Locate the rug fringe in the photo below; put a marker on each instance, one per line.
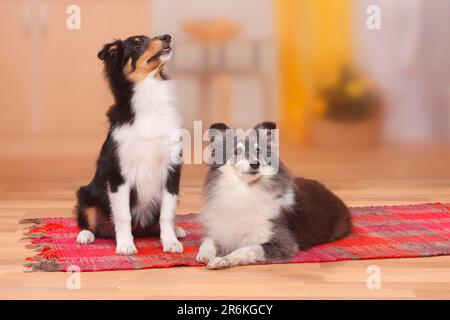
(26, 234)
(31, 236)
(38, 247)
(42, 265)
(38, 263)
(31, 221)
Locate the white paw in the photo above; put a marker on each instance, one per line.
(205, 255)
(85, 236)
(179, 232)
(126, 247)
(219, 263)
(172, 246)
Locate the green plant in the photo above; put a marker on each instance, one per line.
(351, 97)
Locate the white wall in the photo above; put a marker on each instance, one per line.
(410, 60)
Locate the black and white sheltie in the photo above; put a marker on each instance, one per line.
(254, 210)
(135, 188)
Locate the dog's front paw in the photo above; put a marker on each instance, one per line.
(85, 236)
(219, 263)
(172, 246)
(126, 247)
(205, 255)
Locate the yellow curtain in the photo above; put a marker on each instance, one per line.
(314, 43)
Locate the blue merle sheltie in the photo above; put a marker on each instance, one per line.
(135, 188)
(254, 209)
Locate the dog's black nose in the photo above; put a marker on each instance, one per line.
(254, 165)
(165, 38)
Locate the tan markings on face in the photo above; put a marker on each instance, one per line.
(127, 69)
(142, 67)
(159, 73)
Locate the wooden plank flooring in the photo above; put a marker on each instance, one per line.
(40, 179)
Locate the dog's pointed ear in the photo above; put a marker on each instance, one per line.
(219, 126)
(269, 125)
(267, 133)
(109, 51)
(217, 136)
(215, 128)
(265, 128)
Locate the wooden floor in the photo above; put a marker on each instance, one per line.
(39, 179)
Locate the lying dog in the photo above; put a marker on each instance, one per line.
(254, 209)
(135, 188)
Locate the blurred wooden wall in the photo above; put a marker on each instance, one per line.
(51, 82)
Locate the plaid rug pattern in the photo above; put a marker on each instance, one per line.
(402, 231)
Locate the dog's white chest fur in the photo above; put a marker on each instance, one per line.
(145, 146)
(237, 214)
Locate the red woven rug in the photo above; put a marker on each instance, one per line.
(379, 232)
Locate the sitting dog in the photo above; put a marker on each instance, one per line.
(254, 209)
(135, 188)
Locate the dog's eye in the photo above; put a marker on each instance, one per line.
(137, 43)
